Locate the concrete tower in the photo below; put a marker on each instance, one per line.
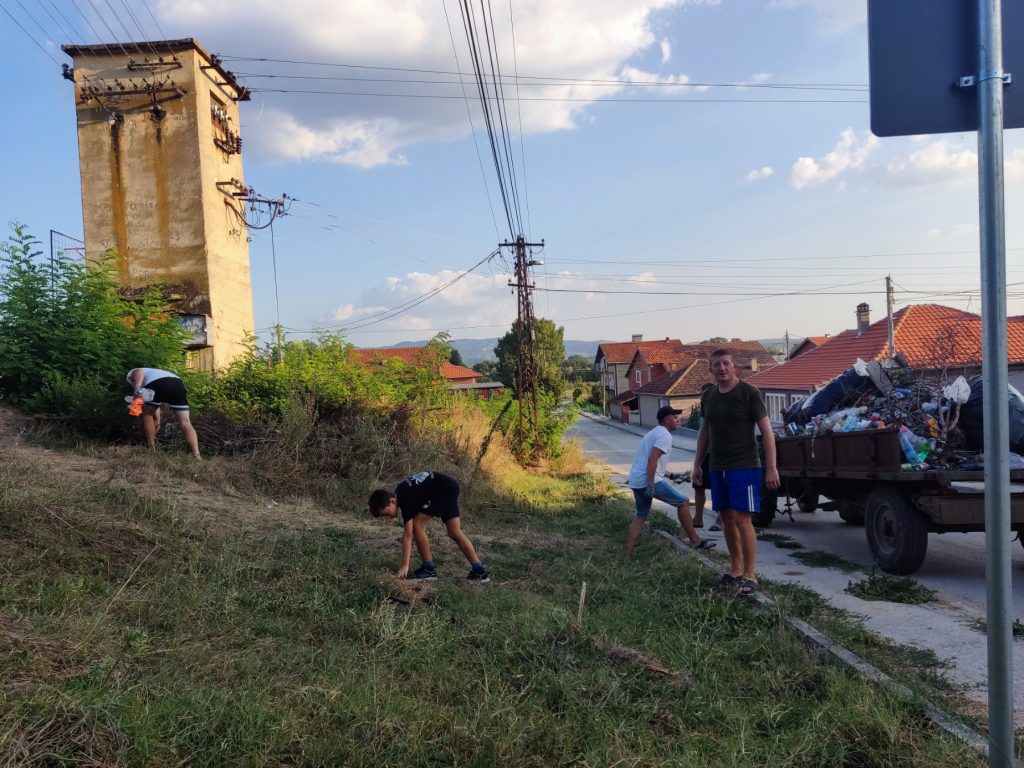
(161, 162)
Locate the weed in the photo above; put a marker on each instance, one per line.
(896, 589)
(981, 625)
(817, 559)
(780, 540)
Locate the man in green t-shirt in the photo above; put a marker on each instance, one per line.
(731, 410)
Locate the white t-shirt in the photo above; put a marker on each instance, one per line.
(659, 437)
(149, 375)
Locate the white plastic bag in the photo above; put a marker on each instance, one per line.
(860, 367)
(959, 391)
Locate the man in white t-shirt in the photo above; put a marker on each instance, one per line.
(167, 389)
(647, 479)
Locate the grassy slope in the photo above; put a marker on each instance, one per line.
(151, 614)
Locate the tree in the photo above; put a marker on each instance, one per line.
(455, 358)
(488, 369)
(549, 352)
(715, 340)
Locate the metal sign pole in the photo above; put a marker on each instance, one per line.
(994, 371)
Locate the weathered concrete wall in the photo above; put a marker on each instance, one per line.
(149, 188)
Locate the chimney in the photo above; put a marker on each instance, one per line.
(863, 318)
(637, 338)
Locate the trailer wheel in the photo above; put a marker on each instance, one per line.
(808, 501)
(769, 507)
(897, 533)
(851, 514)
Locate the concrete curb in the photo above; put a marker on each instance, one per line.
(816, 638)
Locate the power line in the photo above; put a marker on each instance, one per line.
(469, 114)
(29, 34)
(595, 99)
(566, 80)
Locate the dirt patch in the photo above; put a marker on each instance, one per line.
(623, 654)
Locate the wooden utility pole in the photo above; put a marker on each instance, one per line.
(526, 368)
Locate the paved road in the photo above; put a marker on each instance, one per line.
(954, 567)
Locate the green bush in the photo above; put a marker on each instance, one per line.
(68, 337)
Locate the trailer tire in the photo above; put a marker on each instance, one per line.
(769, 507)
(851, 514)
(808, 501)
(897, 533)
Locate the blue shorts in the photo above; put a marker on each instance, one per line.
(737, 489)
(663, 491)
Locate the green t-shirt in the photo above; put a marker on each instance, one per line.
(731, 418)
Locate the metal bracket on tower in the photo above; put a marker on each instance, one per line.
(969, 81)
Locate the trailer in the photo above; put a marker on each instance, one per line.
(862, 477)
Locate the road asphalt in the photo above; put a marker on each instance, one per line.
(954, 567)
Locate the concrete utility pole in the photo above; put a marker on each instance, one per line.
(526, 368)
(888, 314)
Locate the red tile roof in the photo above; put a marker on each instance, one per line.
(742, 351)
(413, 356)
(922, 331)
(621, 352)
(808, 344)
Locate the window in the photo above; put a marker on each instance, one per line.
(639, 377)
(775, 404)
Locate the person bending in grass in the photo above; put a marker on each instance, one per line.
(421, 497)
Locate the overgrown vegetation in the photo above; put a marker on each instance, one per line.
(190, 622)
(67, 337)
(879, 585)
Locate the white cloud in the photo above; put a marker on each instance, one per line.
(761, 77)
(849, 154)
(594, 40)
(1013, 165)
(933, 162)
(639, 76)
(666, 51)
(833, 16)
(759, 173)
(957, 230)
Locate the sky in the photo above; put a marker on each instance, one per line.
(681, 184)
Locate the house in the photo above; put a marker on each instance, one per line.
(931, 337)
(811, 342)
(460, 378)
(613, 359)
(675, 377)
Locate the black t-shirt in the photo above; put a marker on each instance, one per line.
(428, 493)
(731, 418)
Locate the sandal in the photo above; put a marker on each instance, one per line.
(716, 528)
(705, 544)
(726, 581)
(748, 587)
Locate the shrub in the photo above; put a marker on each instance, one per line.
(67, 337)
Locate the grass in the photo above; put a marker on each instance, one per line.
(817, 559)
(149, 618)
(981, 625)
(780, 540)
(896, 589)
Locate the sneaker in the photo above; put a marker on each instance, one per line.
(425, 574)
(480, 577)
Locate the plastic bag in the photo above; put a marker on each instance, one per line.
(828, 397)
(972, 418)
(959, 391)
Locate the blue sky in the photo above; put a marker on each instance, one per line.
(712, 213)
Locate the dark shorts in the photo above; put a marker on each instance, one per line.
(737, 489)
(705, 467)
(170, 390)
(444, 506)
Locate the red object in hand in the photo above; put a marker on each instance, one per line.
(135, 409)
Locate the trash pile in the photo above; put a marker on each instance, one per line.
(940, 426)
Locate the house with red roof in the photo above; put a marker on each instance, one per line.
(930, 337)
(811, 342)
(613, 359)
(676, 377)
(460, 378)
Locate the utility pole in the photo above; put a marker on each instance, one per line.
(526, 367)
(888, 312)
(787, 345)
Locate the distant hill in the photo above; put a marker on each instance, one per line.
(474, 351)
